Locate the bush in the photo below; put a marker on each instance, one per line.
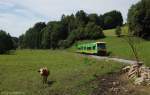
(118, 31)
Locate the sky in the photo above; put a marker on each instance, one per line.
(17, 16)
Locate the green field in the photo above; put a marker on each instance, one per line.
(70, 73)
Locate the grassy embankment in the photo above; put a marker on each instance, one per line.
(119, 47)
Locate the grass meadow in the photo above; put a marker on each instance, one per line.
(70, 73)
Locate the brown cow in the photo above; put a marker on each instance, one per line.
(44, 72)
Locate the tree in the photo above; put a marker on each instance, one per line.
(6, 43)
(90, 31)
(112, 19)
(139, 19)
(33, 36)
(108, 21)
(69, 22)
(101, 21)
(15, 42)
(57, 33)
(21, 41)
(46, 38)
(133, 42)
(93, 18)
(81, 18)
(118, 31)
(93, 31)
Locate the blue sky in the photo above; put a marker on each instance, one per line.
(16, 16)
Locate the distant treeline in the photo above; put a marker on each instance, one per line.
(63, 33)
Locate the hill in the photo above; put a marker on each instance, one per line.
(118, 46)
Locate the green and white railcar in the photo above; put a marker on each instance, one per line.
(98, 48)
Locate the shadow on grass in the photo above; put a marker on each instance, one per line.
(109, 53)
(50, 82)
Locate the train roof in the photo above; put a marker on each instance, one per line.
(101, 42)
(92, 43)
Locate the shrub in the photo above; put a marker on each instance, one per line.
(118, 31)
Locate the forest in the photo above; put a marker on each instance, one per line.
(71, 28)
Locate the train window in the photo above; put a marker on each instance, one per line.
(82, 48)
(94, 47)
(102, 46)
(89, 48)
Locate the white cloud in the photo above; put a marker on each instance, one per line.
(14, 25)
(16, 16)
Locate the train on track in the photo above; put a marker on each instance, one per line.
(97, 48)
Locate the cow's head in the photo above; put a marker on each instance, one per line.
(44, 71)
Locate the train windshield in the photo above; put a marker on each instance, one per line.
(101, 45)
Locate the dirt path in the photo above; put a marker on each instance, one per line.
(118, 84)
(113, 59)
